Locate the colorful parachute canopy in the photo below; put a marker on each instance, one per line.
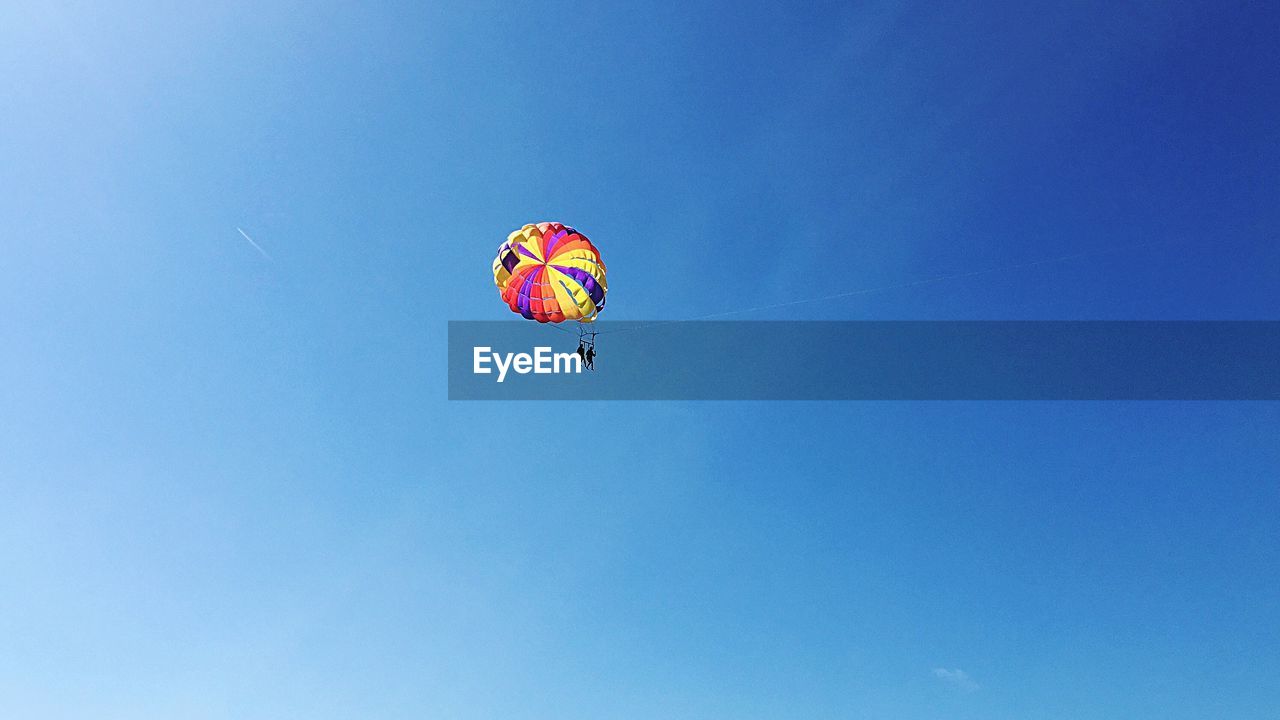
(550, 273)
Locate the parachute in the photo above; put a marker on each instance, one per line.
(551, 273)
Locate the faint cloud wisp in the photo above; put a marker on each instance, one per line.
(957, 678)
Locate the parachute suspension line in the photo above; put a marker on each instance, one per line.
(899, 286)
(554, 327)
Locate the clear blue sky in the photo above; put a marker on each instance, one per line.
(231, 487)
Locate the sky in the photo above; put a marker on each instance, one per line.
(231, 484)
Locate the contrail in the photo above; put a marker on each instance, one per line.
(908, 284)
(254, 244)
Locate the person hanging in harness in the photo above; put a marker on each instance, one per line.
(587, 347)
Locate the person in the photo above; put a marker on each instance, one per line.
(582, 353)
(591, 358)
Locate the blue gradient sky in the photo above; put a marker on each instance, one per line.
(233, 488)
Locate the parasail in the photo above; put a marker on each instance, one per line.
(550, 272)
